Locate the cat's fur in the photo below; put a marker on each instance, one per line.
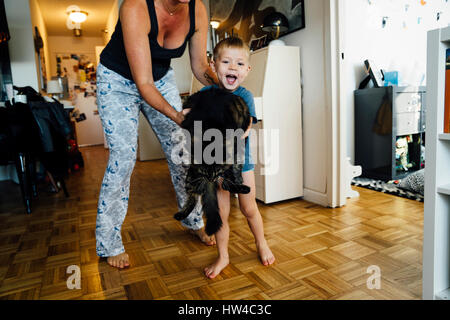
(221, 110)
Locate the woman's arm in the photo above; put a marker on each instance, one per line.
(197, 47)
(136, 27)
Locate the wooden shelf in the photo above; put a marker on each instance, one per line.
(444, 189)
(444, 136)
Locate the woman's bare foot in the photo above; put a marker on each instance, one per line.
(201, 234)
(213, 270)
(120, 261)
(265, 254)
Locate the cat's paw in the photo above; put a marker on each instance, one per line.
(243, 189)
(180, 216)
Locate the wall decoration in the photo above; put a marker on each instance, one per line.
(80, 73)
(39, 47)
(245, 17)
(408, 14)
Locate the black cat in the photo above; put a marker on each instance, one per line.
(220, 110)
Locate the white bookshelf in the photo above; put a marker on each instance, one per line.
(444, 189)
(444, 136)
(436, 242)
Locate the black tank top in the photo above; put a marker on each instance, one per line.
(114, 56)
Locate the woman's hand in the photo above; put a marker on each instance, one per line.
(179, 118)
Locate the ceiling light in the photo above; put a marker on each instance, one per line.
(215, 24)
(78, 16)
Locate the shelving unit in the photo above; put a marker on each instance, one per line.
(436, 252)
(375, 152)
(444, 136)
(444, 189)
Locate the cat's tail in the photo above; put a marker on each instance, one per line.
(211, 209)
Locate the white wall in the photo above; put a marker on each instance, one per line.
(71, 45)
(38, 21)
(22, 54)
(112, 20)
(395, 47)
(182, 65)
(312, 55)
(21, 45)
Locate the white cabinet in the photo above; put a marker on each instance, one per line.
(277, 139)
(436, 251)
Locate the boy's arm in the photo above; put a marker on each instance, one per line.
(249, 100)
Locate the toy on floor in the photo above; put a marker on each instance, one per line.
(401, 153)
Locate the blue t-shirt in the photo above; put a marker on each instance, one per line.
(247, 96)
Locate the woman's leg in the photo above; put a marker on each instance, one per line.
(249, 207)
(166, 131)
(119, 109)
(222, 236)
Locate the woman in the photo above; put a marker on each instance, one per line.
(134, 75)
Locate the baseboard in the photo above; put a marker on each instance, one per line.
(90, 145)
(316, 197)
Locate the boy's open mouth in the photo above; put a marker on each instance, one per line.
(231, 79)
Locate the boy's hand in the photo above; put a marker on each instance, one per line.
(247, 133)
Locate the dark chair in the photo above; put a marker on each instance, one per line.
(54, 132)
(38, 130)
(19, 143)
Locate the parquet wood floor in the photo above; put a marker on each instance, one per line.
(321, 253)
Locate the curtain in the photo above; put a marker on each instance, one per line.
(4, 31)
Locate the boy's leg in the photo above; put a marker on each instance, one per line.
(222, 236)
(119, 110)
(248, 206)
(165, 130)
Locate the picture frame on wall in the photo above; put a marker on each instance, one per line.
(259, 43)
(245, 17)
(39, 47)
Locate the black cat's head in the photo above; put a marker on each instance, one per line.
(216, 109)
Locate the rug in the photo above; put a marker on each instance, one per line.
(386, 187)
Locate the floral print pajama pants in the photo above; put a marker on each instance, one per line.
(119, 104)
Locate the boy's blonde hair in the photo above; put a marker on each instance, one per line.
(232, 42)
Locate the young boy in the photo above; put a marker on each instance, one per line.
(231, 64)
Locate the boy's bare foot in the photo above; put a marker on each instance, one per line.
(201, 234)
(120, 261)
(213, 270)
(265, 254)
